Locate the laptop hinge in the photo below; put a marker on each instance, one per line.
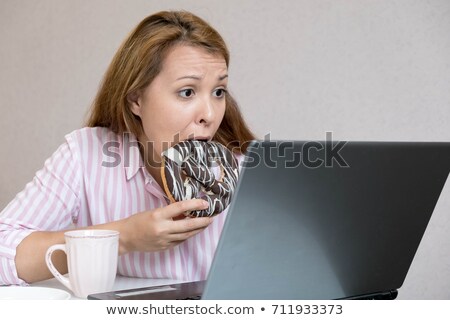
(388, 295)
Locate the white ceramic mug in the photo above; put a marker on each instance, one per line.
(91, 259)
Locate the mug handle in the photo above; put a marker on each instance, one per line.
(48, 259)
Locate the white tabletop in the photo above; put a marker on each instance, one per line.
(121, 283)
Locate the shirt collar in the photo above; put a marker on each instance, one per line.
(132, 160)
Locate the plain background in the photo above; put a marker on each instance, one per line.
(364, 70)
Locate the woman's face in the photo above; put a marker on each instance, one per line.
(186, 100)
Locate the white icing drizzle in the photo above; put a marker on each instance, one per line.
(194, 160)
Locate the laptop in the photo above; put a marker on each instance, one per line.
(320, 220)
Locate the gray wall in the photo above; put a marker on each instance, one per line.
(365, 70)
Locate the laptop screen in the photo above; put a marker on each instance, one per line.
(310, 222)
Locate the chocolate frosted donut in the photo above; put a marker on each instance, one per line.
(187, 173)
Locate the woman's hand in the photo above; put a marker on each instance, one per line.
(157, 229)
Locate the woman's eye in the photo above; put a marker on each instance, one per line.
(186, 93)
(219, 93)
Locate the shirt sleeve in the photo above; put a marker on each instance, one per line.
(49, 202)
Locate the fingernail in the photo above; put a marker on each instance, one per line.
(205, 203)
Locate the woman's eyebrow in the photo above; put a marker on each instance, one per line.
(195, 77)
(190, 77)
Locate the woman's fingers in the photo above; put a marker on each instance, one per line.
(190, 225)
(180, 230)
(175, 209)
(184, 235)
(174, 239)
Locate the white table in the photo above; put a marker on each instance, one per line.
(121, 283)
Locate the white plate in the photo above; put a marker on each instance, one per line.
(32, 293)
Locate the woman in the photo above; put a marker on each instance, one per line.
(166, 83)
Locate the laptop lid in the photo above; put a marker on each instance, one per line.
(323, 220)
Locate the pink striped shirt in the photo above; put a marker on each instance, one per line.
(84, 183)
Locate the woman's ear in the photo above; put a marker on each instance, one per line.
(134, 99)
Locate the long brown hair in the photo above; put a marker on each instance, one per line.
(139, 60)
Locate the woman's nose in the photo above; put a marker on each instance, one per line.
(206, 112)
